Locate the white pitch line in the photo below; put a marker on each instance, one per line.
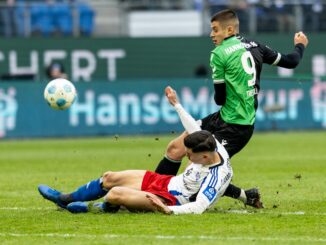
(264, 212)
(275, 213)
(164, 237)
(232, 211)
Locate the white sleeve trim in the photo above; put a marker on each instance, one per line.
(187, 120)
(277, 59)
(218, 81)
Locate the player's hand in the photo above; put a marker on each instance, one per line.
(158, 204)
(171, 95)
(300, 37)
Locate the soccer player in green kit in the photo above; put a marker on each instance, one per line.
(236, 64)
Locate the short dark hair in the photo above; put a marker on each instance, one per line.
(200, 141)
(226, 17)
(55, 65)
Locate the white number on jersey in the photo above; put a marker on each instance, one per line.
(249, 67)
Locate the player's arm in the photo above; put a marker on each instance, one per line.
(218, 79)
(220, 93)
(290, 60)
(187, 120)
(293, 59)
(207, 195)
(197, 207)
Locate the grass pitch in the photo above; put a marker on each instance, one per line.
(289, 169)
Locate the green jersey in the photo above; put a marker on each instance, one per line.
(234, 65)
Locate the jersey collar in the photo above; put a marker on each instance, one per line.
(236, 35)
(217, 164)
(229, 37)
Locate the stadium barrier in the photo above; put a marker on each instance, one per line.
(139, 107)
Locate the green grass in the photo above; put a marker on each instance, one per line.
(289, 169)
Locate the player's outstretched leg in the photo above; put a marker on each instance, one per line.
(98, 207)
(91, 191)
(249, 197)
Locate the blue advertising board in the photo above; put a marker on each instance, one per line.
(139, 107)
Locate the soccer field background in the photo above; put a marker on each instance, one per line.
(288, 167)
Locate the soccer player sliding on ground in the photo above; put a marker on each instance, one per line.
(195, 190)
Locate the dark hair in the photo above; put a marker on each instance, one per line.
(226, 17)
(55, 65)
(200, 141)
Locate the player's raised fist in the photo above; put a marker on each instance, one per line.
(300, 37)
(171, 95)
(168, 90)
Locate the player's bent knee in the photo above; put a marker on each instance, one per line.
(115, 195)
(175, 151)
(108, 179)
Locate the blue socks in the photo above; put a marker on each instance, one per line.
(91, 191)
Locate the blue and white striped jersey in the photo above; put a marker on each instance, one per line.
(200, 186)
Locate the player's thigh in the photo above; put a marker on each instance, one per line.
(233, 137)
(128, 178)
(134, 200)
(211, 122)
